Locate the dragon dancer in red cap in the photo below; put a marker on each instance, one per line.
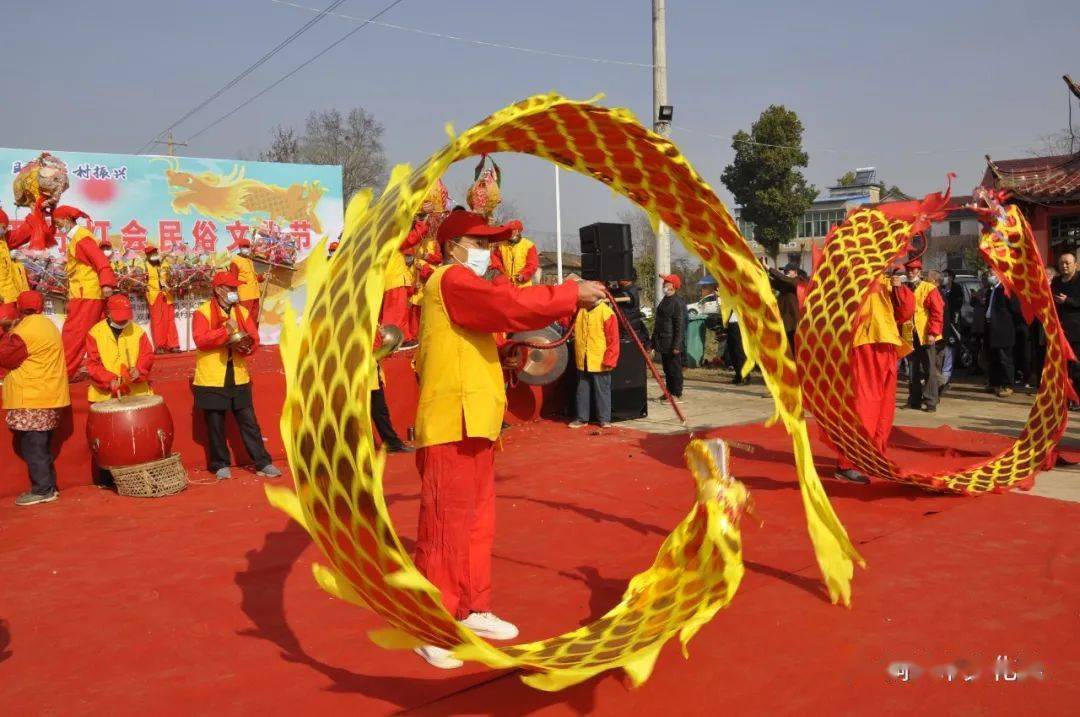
(160, 301)
(460, 412)
(923, 331)
(91, 280)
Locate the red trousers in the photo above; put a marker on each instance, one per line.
(252, 306)
(395, 310)
(163, 324)
(82, 314)
(873, 374)
(457, 522)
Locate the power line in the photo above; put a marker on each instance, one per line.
(481, 43)
(296, 69)
(251, 68)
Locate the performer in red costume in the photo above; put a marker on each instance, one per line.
(9, 291)
(873, 363)
(398, 286)
(35, 230)
(90, 281)
(460, 411)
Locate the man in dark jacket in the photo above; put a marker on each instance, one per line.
(1002, 316)
(785, 283)
(953, 296)
(669, 334)
(627, 297)
(1065, 289)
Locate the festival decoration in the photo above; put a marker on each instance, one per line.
(130, 277)
(329, 367)
(485, 195)
(47, 275)
(855, 255)
(40, 181)
(273, 246)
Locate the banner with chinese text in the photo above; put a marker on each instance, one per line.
(194, 206)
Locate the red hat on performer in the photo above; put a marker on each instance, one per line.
(672, 279)
(4, 221)
(30, 302)
(516, 225)
(333, 246)
(150, 249)
(469, 224)
(105, 243)
(70, 213)
(225, 278)
(913, 264)
(243, 243)
(118, 308)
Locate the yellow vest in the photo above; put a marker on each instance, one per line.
(461, 378)
(922, 316)
(210, 365)
(156, 277)
(83, 282)
(397, 273)
(590, 342)
(249, 279)
(876, 322)
(514, 257)
(41, 380)
(19, 278)
(117, 353)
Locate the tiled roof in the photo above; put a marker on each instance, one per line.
(1040, 179)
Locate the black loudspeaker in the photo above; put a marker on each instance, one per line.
(629, 389)
(607, 254)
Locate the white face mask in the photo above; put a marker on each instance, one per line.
(478, 260)
(118, 327)
(107, 253)
(16, 255)
(232, 297)
(244, 252)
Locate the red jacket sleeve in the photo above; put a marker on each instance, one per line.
(415, 235)
(903, 303)
(146, 357)
(13, 351)
(250, 328)
(532, 263)
(496, 261)
(611, 337)
(95, 368)
(935, 307)
(479, 305)
(90, 253)
(206, 337)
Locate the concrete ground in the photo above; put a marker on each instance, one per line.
(711, 400)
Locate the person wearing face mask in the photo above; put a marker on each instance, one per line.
(9, 292)
(35, 391)
(952, 296)
(243, 269)
(516, 259)
(160, 302)
(91, 280)
(119, 355)
(225, 334)
(1002, 315)
(460, 412)
(114, 259)
(669, 334)
(923, 331)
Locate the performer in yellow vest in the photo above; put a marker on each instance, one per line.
(159, 299)
(9, 294)
(90, 281)
(516, 259)
(35, 391)
(118, 354)
(923, 331)
(596, 351)
(243, 269)
(460, 412)
(876, 351)
(225, 335)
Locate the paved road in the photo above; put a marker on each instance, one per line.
(712, 400)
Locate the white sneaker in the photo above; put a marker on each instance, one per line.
(486, 624)
(438, 657)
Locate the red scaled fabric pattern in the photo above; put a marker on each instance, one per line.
(873, 373)
(457, 522)
(82, 314)
(163, 324)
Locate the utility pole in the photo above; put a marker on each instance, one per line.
(171, 144)
(659, 58)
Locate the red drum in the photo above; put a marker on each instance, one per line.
(129, 431)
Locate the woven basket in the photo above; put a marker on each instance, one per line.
(151, 480)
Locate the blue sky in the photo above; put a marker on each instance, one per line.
(915, 88)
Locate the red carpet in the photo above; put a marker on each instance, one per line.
(205, 600)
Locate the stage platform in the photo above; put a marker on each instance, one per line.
(205, 601)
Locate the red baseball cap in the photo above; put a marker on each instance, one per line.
(149, 249)
(225, 278)
(469, 224)
(65, 211)
(913, 264)
(118, 308)
(243, 243)
(333, 246)
(30, 302)
(672, 279)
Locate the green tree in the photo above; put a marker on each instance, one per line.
(847, 180)
(765, 177)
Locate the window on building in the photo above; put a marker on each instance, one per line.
(954, 228)
(808, 229)
(1065, 230)
(822, 227)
